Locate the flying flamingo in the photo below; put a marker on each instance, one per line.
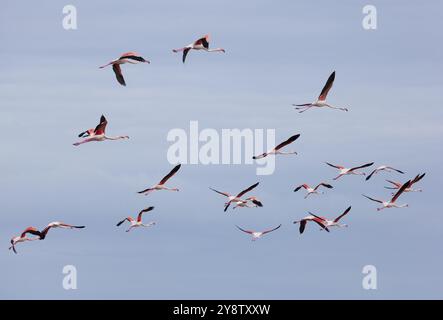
(128, 57)
(321, 101)
(312, 190)
(392, 203)
(200, 44)
(345, 171)
(397, 185)
(23, 237)
(235, 199)
(251, 202)
(258, 234)
(160, 185)
(97, 134)
(57, 224)
(276, 150)
(312, 218)
(383, 168)
(137, 223)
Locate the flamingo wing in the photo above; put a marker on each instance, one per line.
(334, 166)
(417, 178)
(121, 222)
(247, 190)
(379, 201)
(185, 53)
(401, 190)
(326, 185)
(118, 74)
(371, 174)
(246, 231)
(327, 87)
(139, 217)
(101, 127)
(362, 166)
(222, 193)
(343, 214)
(270, 230)
(170, 174)
(284, 143)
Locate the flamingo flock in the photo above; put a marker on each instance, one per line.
(98, 134)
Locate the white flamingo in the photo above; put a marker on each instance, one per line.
(332, 223)
(383, 168)
(128, 57)
(161, 184)
(321, 100)
(276, 150)
(345, 171)
(392, 203)
(235, 199)
(200, 44)
(97, 134)
(313, 190)
(137, 223)
(250, 202)
(258, 234)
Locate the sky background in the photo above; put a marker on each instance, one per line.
(277, 53)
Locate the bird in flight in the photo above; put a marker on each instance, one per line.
(383, 168)
(23, 237)
(137, 223)
(392, 203)
(97, 134)
(276, 150)
(250, 202)
(313, 190)
(345, 171)
(237, 199)
(321, 100)
(161, 184)
(323, 222)
(128, 57)
(200, 44)
(258, 234)
(397, 185)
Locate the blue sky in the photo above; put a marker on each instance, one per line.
(277, 53)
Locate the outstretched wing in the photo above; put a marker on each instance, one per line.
(334, 166)
(327, 87)
(118, 74)
(343, 214)
(371, 174)
(170, 174)
(101, 127)
(185, 53)
(326, 185)
(247, 231)
(222, 193)
(362, 166)
(203, 41)
(273, 229)
(121, 222)
(285, 143)
(247, 190)
(417, 178)
(379, 201)
(139, 217)
(400, 191)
